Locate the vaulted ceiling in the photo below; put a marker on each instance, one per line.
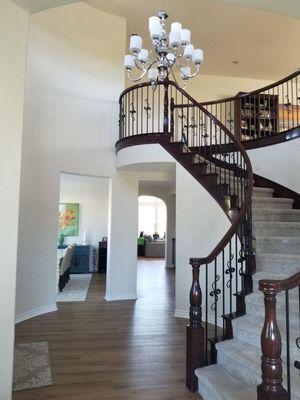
(263, 36)
(265, 44)
(33, 6)
(287, 7)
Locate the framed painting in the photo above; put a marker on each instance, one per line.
(68, 220)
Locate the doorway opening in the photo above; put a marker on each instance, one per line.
(82, 234)
(152, 227)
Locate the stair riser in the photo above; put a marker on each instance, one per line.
(261, 215)
(273, 231)
(267, 205)
(254, 309)
(253, 337)
(260, 193)
(283, 246)
(280, 267)
(237, 369)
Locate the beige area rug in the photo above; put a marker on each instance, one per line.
(31, 366)
(76, 289)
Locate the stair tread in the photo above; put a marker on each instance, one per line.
(277, 223)
(214, 379)
(273, 199)
(284, 238)
(278, 256)
(253, 324)
(248, 358)
(262, 189)
(280, 210)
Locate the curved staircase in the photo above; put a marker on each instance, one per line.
(231, 325)
(238, 369)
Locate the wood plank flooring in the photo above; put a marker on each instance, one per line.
(119, 350)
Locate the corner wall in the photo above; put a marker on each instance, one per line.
(74, 78)
(13, 46)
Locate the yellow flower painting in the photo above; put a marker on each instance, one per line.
(68, 220)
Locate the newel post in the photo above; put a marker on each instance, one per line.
(195, 331)
(271, 363)
(166, 106)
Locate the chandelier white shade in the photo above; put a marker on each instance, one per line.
(170, 50)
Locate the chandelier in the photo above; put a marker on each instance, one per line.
(170, 51)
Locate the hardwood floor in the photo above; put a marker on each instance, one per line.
(131, 350)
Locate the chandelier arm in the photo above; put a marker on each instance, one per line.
(142, 75)
(174, 77)
(179, 66)
(137, 65)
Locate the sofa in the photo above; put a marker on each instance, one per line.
(155, 248)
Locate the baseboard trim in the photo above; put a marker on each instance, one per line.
(120, 296)
(185, 314)
(34, 313)
(181, 314)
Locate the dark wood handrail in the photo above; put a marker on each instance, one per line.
(248, 196)
(252, 93)
(280, 285)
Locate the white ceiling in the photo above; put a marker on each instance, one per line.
(265, 43)
(33, 6)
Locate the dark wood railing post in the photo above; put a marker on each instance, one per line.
(172, 116)
(166, 106)
(195, 331)
(271, 363)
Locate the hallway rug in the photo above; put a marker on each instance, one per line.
(76, 289)
(31, 366)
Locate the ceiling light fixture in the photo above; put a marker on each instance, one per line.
(170, 50)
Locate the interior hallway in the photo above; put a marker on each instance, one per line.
(131, 350)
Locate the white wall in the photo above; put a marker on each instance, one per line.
(280, 163)
(92, 195)
(74, 78)
(200, 221)
(13, 43)
(121, 282)
(211, 87)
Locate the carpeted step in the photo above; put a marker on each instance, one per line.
(276, 228)
(272, 202)
(282, 263)
(278, 244)
(280, 215)
(248, 328)
(243, 361)
(255, 305)
(262, 192)
(216, 383)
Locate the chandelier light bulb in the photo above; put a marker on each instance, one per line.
(129, 62)
(174, 39)
(176, 27)
(156, 32)
(171, 58)
(152, 75)
(153, 21)
(188, 51)
(143, 55)
(135, 44)
(198, 56)
(185, 36)
(171, 50)
(185, 72)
